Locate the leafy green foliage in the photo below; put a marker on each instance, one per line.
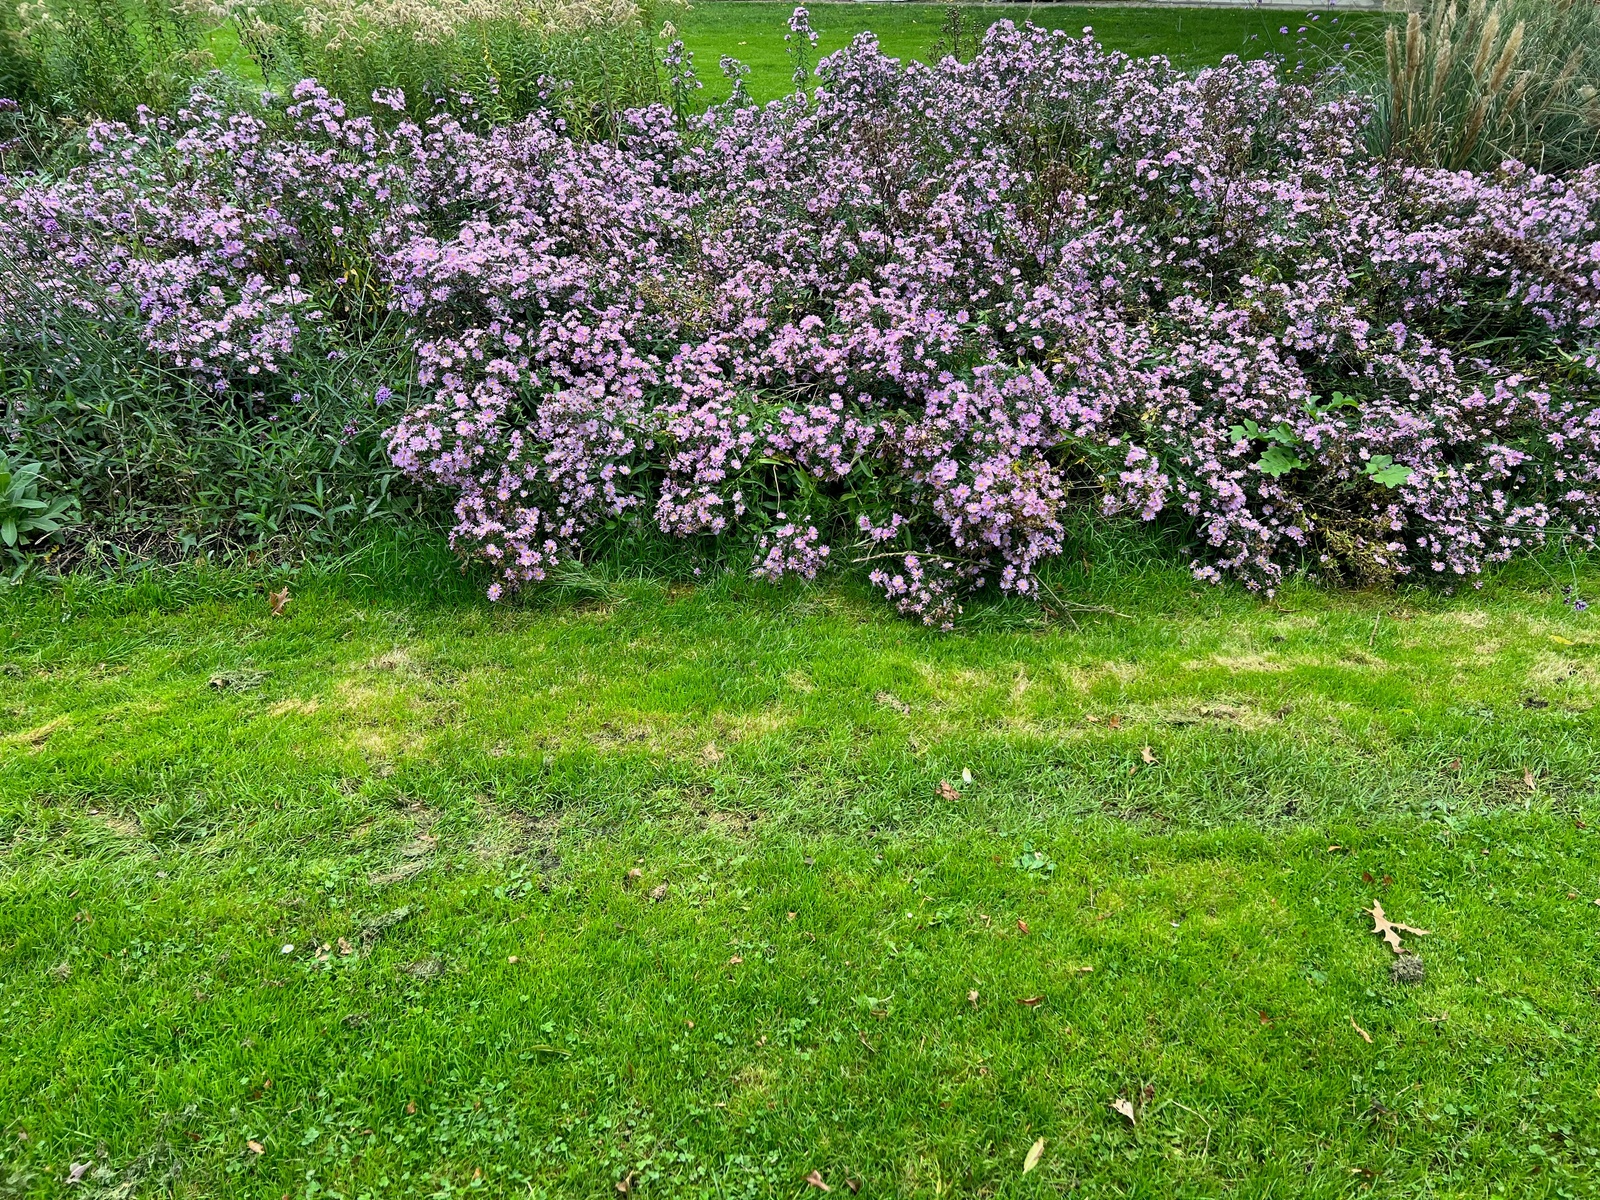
(162, 466)
(105, 57)
(26, 517)
(1279, 460)
(1384, 470)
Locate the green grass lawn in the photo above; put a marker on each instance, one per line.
(753, 32)
(687, 889)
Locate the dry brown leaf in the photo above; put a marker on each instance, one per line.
(815, 1180)
(1391, 930)
(947, 792)
(1365, 1036)
(1022, 925)
(735, 961)
(411, 1108)
(972, 997)
(1124, 1109)
(632, 877)
(658, 893)
(1114, 723)
(1147, 755)
(854, 1185)
(278, 601)
(1528, 780)
(625, 1184)
(345, 948)
(1031, 1001)
(256, 1148)
(1035, 1153)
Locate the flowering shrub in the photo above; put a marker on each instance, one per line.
(926, 307)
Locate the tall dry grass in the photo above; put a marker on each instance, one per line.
(1471, 85)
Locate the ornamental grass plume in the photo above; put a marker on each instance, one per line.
(1469, 87)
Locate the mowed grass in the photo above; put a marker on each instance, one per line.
(343, 902)
(753, 32)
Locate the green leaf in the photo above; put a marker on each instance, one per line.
(8, 531)
(1249, 431)
(1382, 469)
(1282, 434)
(1279, 461)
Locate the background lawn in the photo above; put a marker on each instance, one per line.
(342, 902)
(753, 33)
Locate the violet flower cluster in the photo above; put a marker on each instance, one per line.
(929, 307)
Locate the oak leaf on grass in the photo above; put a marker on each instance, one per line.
(1389, 930)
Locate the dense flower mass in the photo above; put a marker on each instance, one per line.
(926, 307)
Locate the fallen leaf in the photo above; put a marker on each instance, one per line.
(946, 792)
(972, 996)
(278, 601)
(854, 1185)
(735, 961)
(512, 958)
(1365, 1036)
(792, 916)
(1528, 780)
(1035, 1153)
(1082, 970)
(1390, 930)
(411, 1108)
(1265, 1020)
(658, 893)
(1334, 849)
(1114, 723)
(966, 775)
(256, 1148)
(1124, 1109)
(1022, 925)
(1031, 1001)
(1147, 755)
(815, 1180)
(76, 1170)
(632, 877)
(1366, 877)
(345, 947)
(625, 1184)
(1561, 641)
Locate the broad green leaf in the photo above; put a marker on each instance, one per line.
(1279, 461)
(1282, 434)
(1384, 470)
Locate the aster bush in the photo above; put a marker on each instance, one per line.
(909, 321)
